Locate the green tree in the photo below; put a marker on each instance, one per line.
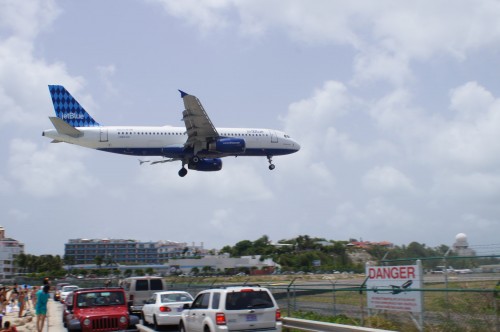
(98, 260)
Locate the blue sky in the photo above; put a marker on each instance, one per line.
(396, 107)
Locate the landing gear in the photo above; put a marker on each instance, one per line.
(183, 172)
(195, 159)
(271, 165)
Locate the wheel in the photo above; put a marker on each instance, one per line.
(182, 328)
(271, 167)
(195, 159)
(183, 172)
(155, 324)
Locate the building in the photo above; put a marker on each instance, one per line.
(461, 246)
(9, 249)
(222, 263)
(120, 251)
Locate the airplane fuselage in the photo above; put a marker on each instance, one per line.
(167, 141)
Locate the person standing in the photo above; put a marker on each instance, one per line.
(42, 297)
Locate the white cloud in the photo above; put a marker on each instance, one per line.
(18, 215)
(27, 18)
(5, 186)
(106, 74)
(470, 138)
(238, 180)
(50, 171)
(387, 35)
(210, 14)
(386, 179)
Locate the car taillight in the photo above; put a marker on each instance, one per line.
(220, 318)
(278, 315)
(165, 309)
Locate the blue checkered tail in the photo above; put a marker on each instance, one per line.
(68, 109)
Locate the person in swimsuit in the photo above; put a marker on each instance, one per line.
(42, 297)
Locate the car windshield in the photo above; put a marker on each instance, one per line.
(100, 299)
(248, 299)
(175, 297)
(69, 288)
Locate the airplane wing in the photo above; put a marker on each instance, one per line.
(199, 128)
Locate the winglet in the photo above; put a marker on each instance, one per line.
(183, 93)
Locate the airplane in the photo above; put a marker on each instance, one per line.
(199, 144)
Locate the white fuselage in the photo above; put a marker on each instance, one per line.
(169, 141)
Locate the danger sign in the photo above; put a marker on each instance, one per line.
(392, 287)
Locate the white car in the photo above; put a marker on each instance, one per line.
(66, 290)
(165, 308)
(234, 308)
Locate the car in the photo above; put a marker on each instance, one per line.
(98, 309)
(236, 308)
(57, 292)
(65, 291)
(164, 308)
(140, 289)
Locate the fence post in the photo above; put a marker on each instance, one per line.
(288, 296)
(334, 300)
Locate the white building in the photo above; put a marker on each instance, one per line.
(9, 249)
(223, 262)
(461, 246)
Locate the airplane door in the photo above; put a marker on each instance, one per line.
(104, 135)
(274, 137)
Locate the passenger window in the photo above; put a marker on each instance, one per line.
(201, 302)
(156, 284)
(141, 285)
(216, 301)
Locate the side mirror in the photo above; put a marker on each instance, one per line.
(186, 306)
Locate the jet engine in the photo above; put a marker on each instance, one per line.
(206, 165)
(227, 145)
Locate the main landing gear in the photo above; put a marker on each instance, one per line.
(271, 165)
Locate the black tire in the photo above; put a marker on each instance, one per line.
(155, 324)
(183, 172)
(271, 167)
(182, 328)
(206, 329)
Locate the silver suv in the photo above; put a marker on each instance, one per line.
(235, 308)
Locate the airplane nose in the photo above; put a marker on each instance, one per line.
(296, 146)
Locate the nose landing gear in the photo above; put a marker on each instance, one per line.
(183, 172)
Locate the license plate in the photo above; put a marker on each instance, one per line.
(251, 317)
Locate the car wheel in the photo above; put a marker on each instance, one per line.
(206, 329)
(182, 328)
(155, 324)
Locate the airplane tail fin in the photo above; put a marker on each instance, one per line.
(68, 109)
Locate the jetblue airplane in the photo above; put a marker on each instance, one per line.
(199, 145)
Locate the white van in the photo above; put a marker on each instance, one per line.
(140, 289)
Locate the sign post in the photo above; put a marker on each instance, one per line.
(390, 288)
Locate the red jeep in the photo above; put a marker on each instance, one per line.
(97, 309)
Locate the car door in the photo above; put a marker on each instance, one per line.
(197, 313)
(148, 308)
